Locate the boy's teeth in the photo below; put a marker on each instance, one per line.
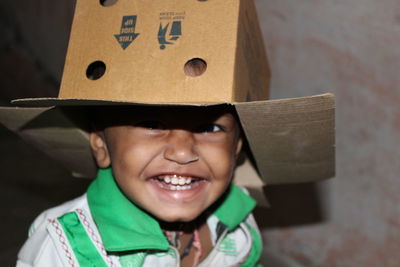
(178, 187)
(176, 180)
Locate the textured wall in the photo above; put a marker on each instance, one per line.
(348, 47)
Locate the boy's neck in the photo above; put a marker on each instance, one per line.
(181, 235)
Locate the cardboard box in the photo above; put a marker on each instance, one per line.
(145, 46)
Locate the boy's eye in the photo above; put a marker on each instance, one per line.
(152, 125)
(209, 128)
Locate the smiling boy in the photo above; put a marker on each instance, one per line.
(172, 162)
(163, 195)
(167, 124)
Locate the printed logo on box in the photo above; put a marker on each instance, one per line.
(127, 32)
(170, 29)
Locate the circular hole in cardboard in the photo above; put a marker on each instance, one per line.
(195, 67)
(108, 2)
(95, 70)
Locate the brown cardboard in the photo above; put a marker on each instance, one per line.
(292, 140)
(225, 34)
(252, 73)
(49, 130)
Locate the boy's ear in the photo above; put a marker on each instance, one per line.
(99, 149)
(239, 146)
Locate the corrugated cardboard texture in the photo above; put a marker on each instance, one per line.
(252, 75)
(150, 68)
(292, 140)
(49, 130)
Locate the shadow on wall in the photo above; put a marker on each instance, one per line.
(291, 205)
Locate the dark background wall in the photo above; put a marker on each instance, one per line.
(349, 48)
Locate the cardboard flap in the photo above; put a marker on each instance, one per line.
(292, 140)
(14, 118)
(50, 130)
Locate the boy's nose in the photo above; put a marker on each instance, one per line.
(181, 147)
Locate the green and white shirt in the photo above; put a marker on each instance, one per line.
(104, 228)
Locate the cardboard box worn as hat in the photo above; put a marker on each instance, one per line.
(180, 53)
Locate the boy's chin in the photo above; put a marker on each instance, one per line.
(177, 218)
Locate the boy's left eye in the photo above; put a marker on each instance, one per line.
(209, 128)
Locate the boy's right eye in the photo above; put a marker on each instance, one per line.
(152, 125)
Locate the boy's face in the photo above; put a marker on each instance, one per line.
(173, 162)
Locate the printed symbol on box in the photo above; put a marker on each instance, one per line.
(127, 32)
(170, 31)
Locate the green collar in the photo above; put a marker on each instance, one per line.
(124, 227)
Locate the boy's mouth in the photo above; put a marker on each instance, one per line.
(176, 182)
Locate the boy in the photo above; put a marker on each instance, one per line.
(167, 141)
(165, 175)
